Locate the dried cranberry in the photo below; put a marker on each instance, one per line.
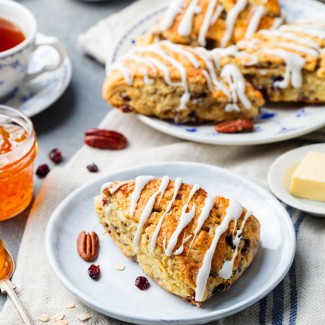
(94, 271)
(42, 170)
(104, 201)
(142, 283)
(56, 155)
(92, 168)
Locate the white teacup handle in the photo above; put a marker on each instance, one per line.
(42, 40)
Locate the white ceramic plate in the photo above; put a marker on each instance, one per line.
(275, 123)
(33, 97)
(115, 293)
(279, 179)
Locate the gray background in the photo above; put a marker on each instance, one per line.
(62, 125)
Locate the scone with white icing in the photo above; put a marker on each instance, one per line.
(191, 244)
(286, 64)
(181, 84)
(214, 23)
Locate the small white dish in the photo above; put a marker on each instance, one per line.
(276, 122)
(34, 96)
(279, 179)
(115, 294)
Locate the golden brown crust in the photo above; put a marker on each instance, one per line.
(162, 100)
(270, 68)
(217, 29)
(177, 273)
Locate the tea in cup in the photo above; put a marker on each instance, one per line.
(19, 39)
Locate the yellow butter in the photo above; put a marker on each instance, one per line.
(308, 180)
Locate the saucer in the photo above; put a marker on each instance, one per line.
(279, 179)
(34, 96)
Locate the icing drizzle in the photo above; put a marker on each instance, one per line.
(140, 183)
(177, 185)
(233, 212)
(148, 209)
(231, 20)
(226, 269)
(184, 220)
(161, 57)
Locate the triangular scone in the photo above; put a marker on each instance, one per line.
(214, 23)
(190, 243)
(181, 84)
(286, 64)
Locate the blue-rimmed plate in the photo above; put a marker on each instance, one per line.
(275, 123)
(34, 96)
(115, 294)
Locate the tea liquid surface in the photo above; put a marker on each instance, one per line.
(10, 35)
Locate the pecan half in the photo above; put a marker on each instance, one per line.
(88, 246)
(235, 126)
(105, 139)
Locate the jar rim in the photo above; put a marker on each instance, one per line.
(13, 115)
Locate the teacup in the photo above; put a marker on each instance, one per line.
(14, 61)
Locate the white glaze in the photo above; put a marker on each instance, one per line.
(180, 250)
(148, 209)
(177, 185)
(278, 22)
(116, 187)
(294, 65)
(226, 269)
(206, 22)
(233, 212)
(175, 7)
(141, 60)
(181, 50)
(237, 87)
(128, 76)
(157, 50)
(227, 51)
(231, 20)
(291, 36)
(209, 62)
(217, 13)
(208, 205)
(184, 220)
(105, 186)
(186, 24)
(255, 20)
(140, 183)
(296, 47)
(305, 29)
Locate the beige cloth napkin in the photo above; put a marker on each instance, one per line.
(300, 296)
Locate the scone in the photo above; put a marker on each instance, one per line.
(214, 23)
(181, 84)
(287, 64)
(190, 243)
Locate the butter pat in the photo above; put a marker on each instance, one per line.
(308, 180)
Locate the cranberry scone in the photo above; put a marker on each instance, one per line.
(193, 245)
(286, 64)
(214, 23)
(181, 84)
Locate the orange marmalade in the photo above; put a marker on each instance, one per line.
(18, 149)
(5, 262)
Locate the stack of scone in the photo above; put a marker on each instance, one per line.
(214, 61)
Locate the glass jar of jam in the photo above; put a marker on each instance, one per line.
(18, 149)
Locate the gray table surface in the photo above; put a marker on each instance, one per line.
(81, 106)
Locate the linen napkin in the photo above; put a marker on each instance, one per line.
(298, 299)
